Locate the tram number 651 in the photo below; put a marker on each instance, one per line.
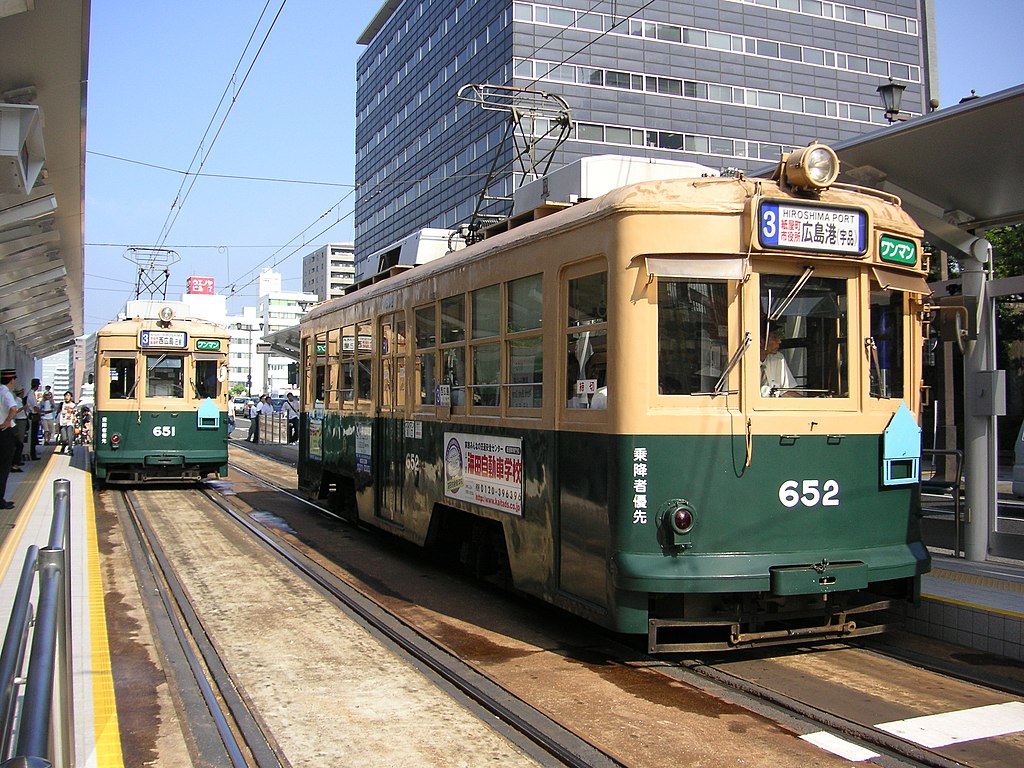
(810, 493)
(163, 431)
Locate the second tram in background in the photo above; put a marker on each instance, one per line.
(684, 408)
(161, 397)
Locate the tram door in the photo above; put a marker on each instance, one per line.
(390, 437)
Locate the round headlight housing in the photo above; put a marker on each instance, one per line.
(812, 168)
(680, 518)
(166, 314)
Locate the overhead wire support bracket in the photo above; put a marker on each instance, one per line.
(533, 116)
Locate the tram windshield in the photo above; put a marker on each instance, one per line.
(205, 382)
(165, 376)
(803, 336)
(123, 380)
(693, 332)
(885, 347)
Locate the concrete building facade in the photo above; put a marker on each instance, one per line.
(328, 270)
(726, 83)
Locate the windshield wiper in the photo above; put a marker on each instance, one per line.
(784, 304)
(723, 380)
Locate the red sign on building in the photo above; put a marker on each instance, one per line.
(200, 285)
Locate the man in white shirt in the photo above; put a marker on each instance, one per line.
(291, 410)
(776, 378)
(9, 406)
(32, 408)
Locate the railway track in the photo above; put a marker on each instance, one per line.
(232, 710)
(848, 692)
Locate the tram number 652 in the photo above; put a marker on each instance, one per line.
(163, 431)
(810, 493)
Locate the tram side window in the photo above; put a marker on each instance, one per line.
(485, 304)
(886, 354)
(587, 350)
(426, 358)
(453, 349)
(165, 376)
(347, 370)
(810, 318)
(364, 353)
(693, 335)
(525, 344)
(123, 379)
(206, 379)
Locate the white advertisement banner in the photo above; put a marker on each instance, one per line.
(485, 470)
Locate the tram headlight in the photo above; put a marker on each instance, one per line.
(166, 314)
(811, 169)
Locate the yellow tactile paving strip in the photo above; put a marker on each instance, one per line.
(104, 704)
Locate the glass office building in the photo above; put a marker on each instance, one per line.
(726, 83)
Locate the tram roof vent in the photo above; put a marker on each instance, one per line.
(591, 177)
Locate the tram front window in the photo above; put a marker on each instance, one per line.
(165, 376)
(693, 331)
(886, 351)
(206, 379)
(805, 320)
(123, 382)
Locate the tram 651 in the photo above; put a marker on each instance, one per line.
(685, 408)
(161, 398)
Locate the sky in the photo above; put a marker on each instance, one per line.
(259, 99)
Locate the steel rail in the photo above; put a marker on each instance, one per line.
(557, 741)
(865, 735)
(188, 629)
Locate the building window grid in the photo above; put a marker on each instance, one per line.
(741, 44)
(591, 77)
(890, 22)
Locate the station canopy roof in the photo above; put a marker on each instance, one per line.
(959, 170)
(43, 76)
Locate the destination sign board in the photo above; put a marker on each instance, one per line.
(808, 227)
(163, 339)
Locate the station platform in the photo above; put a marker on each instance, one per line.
(975, 605)
(97, 740)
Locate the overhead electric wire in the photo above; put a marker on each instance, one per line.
(179, 200)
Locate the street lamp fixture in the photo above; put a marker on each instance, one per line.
(892, 95)
(250, 327)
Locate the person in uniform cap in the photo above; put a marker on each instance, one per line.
(8, 440)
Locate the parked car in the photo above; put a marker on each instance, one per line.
(278, 403)
(241, 405)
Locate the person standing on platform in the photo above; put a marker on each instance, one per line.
(32, 406)
(291, 410)
(20, 429)
(8, 441)
(66, 418)
(266, 415)
(254, 422)
(46, 409)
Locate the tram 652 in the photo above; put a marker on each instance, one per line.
(161, 398)
(685, 409)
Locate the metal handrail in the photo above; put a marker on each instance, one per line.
(44, 685)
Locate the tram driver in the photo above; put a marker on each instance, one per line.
(777, 379)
